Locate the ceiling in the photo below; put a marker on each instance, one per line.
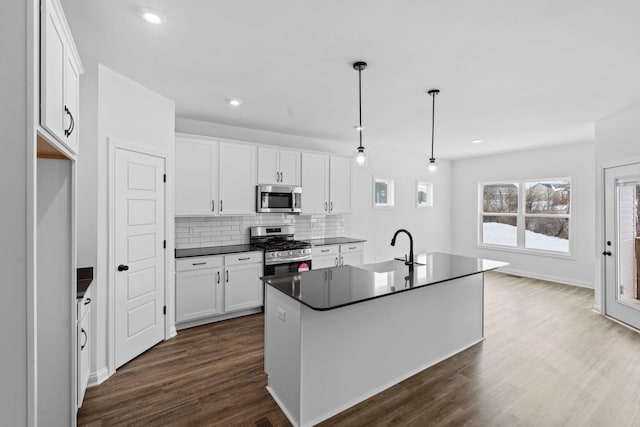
(516, 74)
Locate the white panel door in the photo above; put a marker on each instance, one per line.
(290, 167)
(340, 185)
(242, 288)
(268, 172)
(198, 294)
(52, 73)
(196, 180)
(622, 232)
(139, 267)
(315, 183)
(237, 177)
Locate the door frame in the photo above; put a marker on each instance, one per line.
(601, 306)
(169, 325)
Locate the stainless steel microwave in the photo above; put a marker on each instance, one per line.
(278, 198)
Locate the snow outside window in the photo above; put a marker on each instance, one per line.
(530, 214)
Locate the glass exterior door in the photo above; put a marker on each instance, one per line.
(622, 244)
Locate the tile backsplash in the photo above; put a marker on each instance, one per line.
(196, 232)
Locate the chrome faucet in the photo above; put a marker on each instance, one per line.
(393, 243)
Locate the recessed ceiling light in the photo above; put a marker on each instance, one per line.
(234, 102)
(476, 141)
(152, 16)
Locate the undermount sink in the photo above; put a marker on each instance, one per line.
(386, 266)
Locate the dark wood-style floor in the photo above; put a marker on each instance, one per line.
(547, 360)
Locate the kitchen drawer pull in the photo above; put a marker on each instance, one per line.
(86, 339)
(244, 259)
(325, 250)
(227, 274)
(88, 301)
(325, 206)
(352, 247)
(199, 263)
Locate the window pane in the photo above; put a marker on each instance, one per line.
(550, 234)
(382, 193)
(500, 198)
(548, 197)
(500, 230)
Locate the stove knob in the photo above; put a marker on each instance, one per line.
(290, 253)
(277, 254)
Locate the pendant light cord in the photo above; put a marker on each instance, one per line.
(360, 102)
(433, 93)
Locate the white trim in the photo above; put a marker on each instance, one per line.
(97, 378)
(548, 278)
(526, 251)
(113, 145)
(206, 320)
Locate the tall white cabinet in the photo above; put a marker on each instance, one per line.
(326, 184)
(214, 177)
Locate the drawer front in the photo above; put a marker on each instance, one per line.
(199, 262)
(244, 258)
(84, 304)
(317, 251)
(352, 247)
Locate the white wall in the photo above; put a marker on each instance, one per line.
(430, 228)
(17, 212)
(617, 142)
(574, 161)
(114, 106)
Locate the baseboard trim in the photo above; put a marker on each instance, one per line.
(548, 278)
(98, 377)
(205, 320)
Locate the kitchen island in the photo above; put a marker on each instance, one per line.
(337, 336)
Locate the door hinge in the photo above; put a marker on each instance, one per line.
(164, 310)
(164, 178)
(164, 244)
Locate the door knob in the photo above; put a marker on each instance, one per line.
(607, 253)
(123, 267)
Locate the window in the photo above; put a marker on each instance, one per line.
(530, 214)
(383, 193)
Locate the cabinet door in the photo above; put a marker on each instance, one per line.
(237, 179)
(315, 183)
(268, 172)
(196, 179)
(290, 167)
(325, 261)
(352, 258)
(71, 101)
(52, 63)
(340, 185)
(243, 288)
(84, 346)
(198, 294)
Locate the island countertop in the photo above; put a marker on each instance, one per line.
(331, 288)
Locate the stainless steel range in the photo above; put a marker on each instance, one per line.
(282, 254)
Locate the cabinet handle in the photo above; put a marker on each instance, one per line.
(336, 261)
(72, 123)
(277, 176)
(244, 259)
(352, 247)
(341, 261)
(199, 263)
(325, 206)
(331, 207)
(227, 274)
(213, 206)
(86, 339)
(218, 277)
(325, 250)
(88, 301)
(281, 176)
(220, 205)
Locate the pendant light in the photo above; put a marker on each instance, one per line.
(432, 160)
(361, 156)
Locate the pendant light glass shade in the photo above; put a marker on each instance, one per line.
(432, 161)
(360, 159)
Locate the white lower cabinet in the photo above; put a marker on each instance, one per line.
(211, 288)
(336, 255)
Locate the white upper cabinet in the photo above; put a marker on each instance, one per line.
(214, 177)
(196, 181)
(278, 166)
(340, 185)
(60, 70)
(237, 179)
(315, 183)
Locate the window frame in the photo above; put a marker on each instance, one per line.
(521, 216)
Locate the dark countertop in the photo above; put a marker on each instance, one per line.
(84, 277)
(215, 250)
(333, 241)
(330, 288)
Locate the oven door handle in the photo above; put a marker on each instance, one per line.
(289, 260)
